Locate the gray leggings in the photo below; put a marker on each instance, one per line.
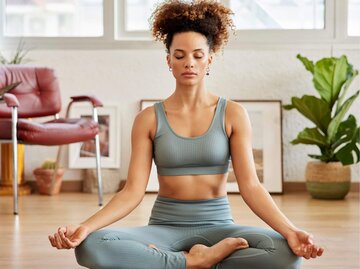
(175, 226)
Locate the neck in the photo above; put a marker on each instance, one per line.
(191, 95)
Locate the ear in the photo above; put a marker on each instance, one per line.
(210, 59)
(168, 60)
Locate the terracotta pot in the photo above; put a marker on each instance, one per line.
(44, 178)
(328, 180)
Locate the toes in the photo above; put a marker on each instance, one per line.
(242, 243)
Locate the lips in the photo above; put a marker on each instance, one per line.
(188, 74)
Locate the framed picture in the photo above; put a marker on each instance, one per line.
(82, 155)
(153, 185)
(266, 118)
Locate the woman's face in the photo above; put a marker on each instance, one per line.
(189, 57)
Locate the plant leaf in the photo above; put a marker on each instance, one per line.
(309, 65)
(315, 109)
(348, 135)
(335, 122)
(330, 75)
(288, 107)
(310, 136)
(345, 132)
(319, 157)
(351, 75)
(9, 87)
(345, 154)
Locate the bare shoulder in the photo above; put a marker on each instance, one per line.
(145, 120)
(236, 113)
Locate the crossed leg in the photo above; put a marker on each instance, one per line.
(154, 247)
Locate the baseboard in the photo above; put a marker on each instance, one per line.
(66, 186)
(69, 185)
(300, 187)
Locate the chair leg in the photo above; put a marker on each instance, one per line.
(98, 170)
(15, 159)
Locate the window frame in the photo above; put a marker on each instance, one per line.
(117, 38)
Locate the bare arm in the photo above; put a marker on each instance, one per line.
(132, 194)
(128, 198)
(252, 191)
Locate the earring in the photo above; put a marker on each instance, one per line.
(170, 69)
(208, 71)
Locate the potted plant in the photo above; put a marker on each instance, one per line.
(337, 137)
(44, 178)
(19, 55)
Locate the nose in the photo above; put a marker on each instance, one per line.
(189, 64)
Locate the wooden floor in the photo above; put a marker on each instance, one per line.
(23, 238)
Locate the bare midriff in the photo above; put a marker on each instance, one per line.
(193, 187)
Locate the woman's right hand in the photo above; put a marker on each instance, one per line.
(69, 236)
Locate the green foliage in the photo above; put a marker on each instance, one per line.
(337, 139)
(7, 88)
(19, 55)
(48, 164)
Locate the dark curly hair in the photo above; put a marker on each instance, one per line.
(207, 17)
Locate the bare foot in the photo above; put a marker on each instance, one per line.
(203, 257)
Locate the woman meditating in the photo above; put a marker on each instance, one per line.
(191, 135)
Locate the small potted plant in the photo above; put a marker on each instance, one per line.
(44, 178)
(337, 138)
(18, 57)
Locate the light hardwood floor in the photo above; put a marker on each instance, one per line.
(23, 238)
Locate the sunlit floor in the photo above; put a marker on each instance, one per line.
(23, 238)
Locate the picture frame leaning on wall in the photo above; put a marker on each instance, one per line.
(81, 155)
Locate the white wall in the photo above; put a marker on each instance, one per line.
(124, 77)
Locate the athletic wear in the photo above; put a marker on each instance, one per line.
(201, 155)
(175, 226)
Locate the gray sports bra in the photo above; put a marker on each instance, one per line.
(176, 155)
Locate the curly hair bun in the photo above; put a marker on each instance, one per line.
(208, 17)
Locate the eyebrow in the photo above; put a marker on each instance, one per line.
(201, 50)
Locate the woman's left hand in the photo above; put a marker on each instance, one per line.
(301, 243)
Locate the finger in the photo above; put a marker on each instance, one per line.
(320, 251)
(62, 229)
(314, 252)
(59, 242)
(64, 240)
(308, 250)
(52, 240)
(72, 244)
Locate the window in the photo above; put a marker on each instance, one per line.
(278, 14)
(354, 18)
(137, 13)
(109, 24)
(53, 18)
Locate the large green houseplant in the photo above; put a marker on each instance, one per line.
(337, 137)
